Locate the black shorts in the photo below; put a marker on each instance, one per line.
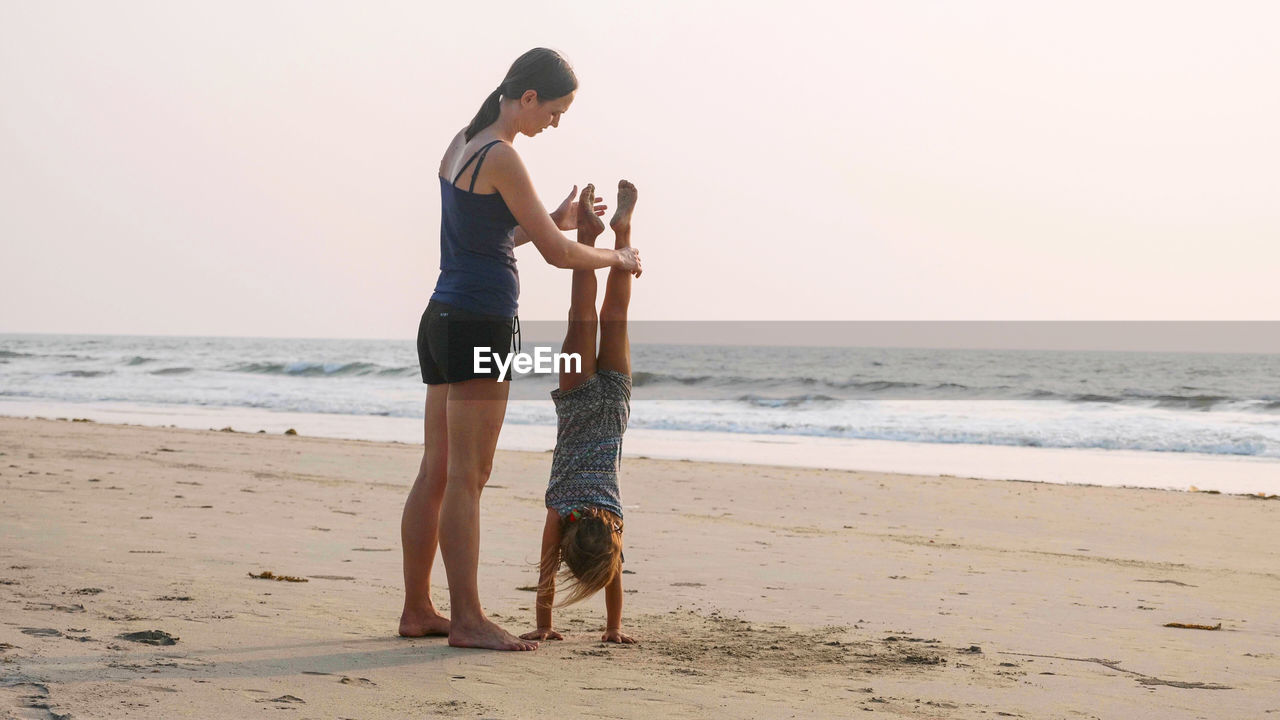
(447, 340)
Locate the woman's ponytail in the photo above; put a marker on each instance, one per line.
(540, 69)
(487, 115)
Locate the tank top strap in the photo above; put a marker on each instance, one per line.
(481, 153)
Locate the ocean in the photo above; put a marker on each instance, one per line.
(1172, 405)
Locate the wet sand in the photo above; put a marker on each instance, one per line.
(756, 591)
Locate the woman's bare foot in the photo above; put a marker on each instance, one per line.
(423, 623)
(627, 194)
(486, 634)
(617, 636)
(589, 225)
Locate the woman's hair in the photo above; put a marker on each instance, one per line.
(590, 550)
(539, 69)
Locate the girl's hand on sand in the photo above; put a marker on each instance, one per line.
(616, 636)
(566, 216)
(542, 634)
(629, 261)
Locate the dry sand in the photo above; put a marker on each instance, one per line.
(756, 591)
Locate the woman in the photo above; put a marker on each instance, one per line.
(488, 206)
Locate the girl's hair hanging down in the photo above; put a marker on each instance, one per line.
(590, 549)
(540, 69)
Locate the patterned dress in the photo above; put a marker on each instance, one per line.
(591, 419)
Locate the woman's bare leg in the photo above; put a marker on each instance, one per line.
(580, 337)
(475, 409)
(615, 346)
(419, 525)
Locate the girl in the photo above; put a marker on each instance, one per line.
(485, 192)
(584, 512)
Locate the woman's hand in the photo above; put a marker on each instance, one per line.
(566, 216)
(629, 261)
(542, 634)
(614, 636)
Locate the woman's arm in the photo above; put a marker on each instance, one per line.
(565, 217)
(511, 179)
(613, 612)
(547, 580)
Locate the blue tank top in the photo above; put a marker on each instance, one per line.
(477, 252)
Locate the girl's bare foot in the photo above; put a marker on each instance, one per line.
(589, 225)
(423, 623)
(486, 634)
(627, 194)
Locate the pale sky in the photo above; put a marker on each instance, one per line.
(268, 168)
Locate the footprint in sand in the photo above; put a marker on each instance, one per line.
(284, 699)
(358, 682)
(149, 637)
(30, 699)
(458, 707)
(40, 632)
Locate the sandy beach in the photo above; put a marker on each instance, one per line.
(756, 591)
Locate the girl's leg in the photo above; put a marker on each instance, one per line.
(475, 410)
(419, 525)
(580, 338)
(615, 346)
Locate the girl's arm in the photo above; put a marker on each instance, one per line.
(511, 180)
(547, 579)
(613, 611)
